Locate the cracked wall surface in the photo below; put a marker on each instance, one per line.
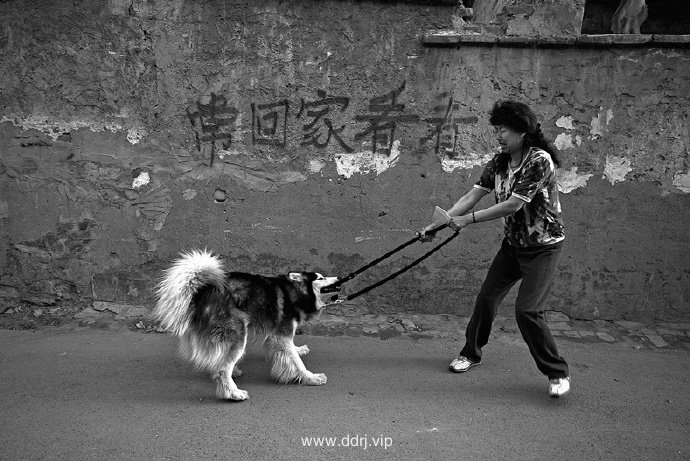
(300, 135)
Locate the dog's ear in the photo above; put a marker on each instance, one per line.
(295, 276)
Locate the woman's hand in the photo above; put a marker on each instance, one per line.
(425, 235)
(458, 223)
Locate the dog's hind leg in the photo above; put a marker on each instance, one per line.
(287, 365)
(225, 385)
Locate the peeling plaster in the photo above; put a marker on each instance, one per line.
(134, 135)
(565, 122)
(316, 165)
(565, 141)
(141, 180)
(682, 182)
(599, 125)
(467, 162)
(616, 168)
(366, 162)
(55, 128)
(570, 180)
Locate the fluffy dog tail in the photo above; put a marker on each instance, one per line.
(180, 282)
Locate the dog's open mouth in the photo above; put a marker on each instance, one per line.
(332, 288)
(327, 289)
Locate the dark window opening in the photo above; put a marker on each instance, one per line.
(670, 17)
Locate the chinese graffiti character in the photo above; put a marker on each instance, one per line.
(444, 126)
(318, 111)
(442, 131)
(269, 123)
(216, 121)
(386, 114)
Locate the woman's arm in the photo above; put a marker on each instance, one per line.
(467, 202)
(500, 210)
(461, 207)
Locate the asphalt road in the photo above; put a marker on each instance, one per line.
(121, 395)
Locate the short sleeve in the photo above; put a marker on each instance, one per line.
(487, 181)
(532, 178)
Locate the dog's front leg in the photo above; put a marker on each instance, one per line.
(287, 366)
(226, 387)
(301, 350)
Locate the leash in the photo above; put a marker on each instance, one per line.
(336, 286)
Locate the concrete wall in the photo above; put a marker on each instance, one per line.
(319, 135)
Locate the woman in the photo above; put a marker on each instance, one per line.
(523, 178)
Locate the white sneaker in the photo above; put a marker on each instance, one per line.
(559, 387)
(462, 364)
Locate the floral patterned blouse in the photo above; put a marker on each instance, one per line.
(539, 221)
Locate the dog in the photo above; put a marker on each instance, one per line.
(214, 311)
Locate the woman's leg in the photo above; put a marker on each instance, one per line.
(538, 266)
(503, 274)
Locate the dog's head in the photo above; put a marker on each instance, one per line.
(315, 282)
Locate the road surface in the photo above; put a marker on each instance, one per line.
(91, 394)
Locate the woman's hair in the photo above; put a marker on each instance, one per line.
(520, 117)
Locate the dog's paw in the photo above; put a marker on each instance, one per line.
(315, 379)
(302, 350)
(236, 372)
(238, 394)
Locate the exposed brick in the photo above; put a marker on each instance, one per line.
(555, 316)
(354, 330)
(337, 329)
(319, 330)
(606, 337)
(657, 340)
(370, 331)
(388, 333)
(665, 332)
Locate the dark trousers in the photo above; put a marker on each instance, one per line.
(536, 267)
